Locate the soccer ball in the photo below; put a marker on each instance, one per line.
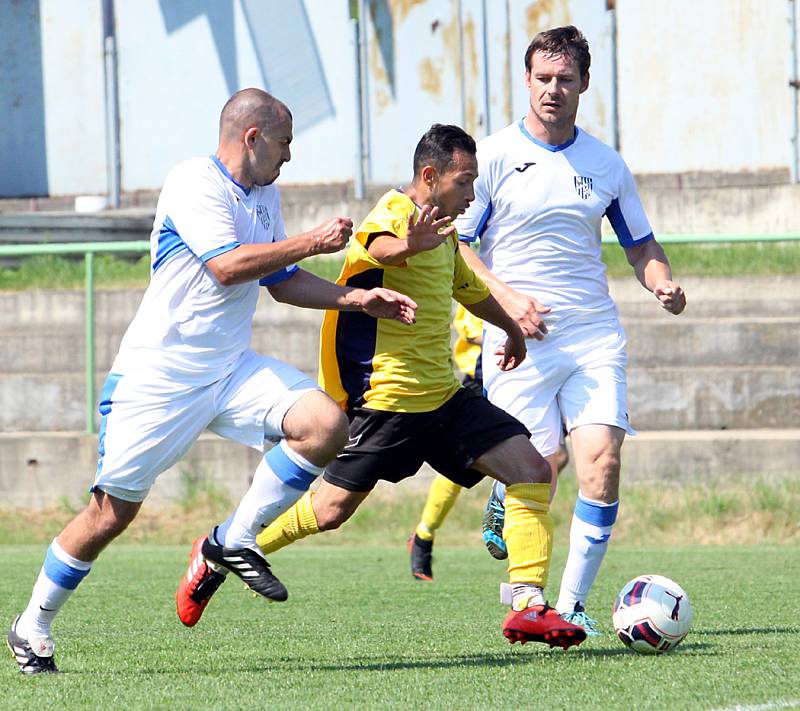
(652, 614)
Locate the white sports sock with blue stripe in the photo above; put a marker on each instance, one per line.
(282, 477)
(60, 575)
(588, 543)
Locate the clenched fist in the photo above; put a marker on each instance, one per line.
(332, 236)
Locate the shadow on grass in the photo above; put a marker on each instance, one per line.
(254, 665)
(748, 630)
(495, 660)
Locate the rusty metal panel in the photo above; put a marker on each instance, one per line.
(590, 17)
(704, 85)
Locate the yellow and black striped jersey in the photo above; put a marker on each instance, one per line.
(383, 364)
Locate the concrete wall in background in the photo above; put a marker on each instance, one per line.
(700, 88)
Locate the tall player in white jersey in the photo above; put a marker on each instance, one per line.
(543, 188)
(185, 365)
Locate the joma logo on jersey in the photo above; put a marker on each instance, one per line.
(263, 215)
(583, 186)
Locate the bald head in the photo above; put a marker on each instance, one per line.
(247, 108)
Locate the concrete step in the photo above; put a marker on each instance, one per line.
(39, 352)
(38, 470)
(114, 309)
(715, 397)
(713, 297)
(686, 342)
(708, 297)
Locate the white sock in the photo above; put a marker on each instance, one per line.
(588, 543)
(58, 578)
(281, 478)
(525, 595)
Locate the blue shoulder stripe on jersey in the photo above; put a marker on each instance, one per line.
(596, 514)
(279, 276)
(547, 146)
(224, 171)
(481, 226)
(105, 408)
(169, 243)
(287, 471)
(487, 213)
(617, 220)
(60, 573)
(219, 250)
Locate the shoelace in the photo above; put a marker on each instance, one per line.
(497, 512)
(581, 619)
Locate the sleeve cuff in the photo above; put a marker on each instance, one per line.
(279, 276)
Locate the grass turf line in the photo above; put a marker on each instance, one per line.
(735, 259)
(748, 511)
(358, 632)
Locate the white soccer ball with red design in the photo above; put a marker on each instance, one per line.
(652, 614)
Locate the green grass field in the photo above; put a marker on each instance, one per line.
(358, 632)
(736, 259)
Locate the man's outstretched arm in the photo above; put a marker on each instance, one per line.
(249, 262)
(652, 269)
(309, 291)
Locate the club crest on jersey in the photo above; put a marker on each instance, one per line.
(263, 215)
(583, 186)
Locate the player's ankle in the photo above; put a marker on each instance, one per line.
(525, 595)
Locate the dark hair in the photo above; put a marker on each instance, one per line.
(561, 42)
(438, 145)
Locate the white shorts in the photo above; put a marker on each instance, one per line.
(573, 377)
(147, 427)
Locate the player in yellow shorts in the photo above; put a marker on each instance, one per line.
(399, 389)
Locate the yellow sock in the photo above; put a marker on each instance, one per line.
(296, 523)
(528, 533)
(441, 497)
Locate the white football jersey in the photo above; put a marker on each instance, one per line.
(537, 212)
(189, 329)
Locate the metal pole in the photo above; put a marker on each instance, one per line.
(487, 109)
(91, 394)
(358, 178)
(612, 16)
(462, 82)
(366, 148)
(113, 167)
(508, 73)
(794, 85)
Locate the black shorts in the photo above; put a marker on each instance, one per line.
(393, 445)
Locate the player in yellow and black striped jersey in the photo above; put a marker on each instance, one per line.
(401, 394)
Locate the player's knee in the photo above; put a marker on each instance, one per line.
(330, 518)
(529, 468)
(316, 428)
(330, 433)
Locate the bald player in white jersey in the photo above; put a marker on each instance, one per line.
(543, 188)
(185, 365)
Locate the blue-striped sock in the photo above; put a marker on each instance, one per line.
(282, 477)
(588, 543)
(58, 578)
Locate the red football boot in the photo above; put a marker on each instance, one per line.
(197, 586)
(541, 623)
